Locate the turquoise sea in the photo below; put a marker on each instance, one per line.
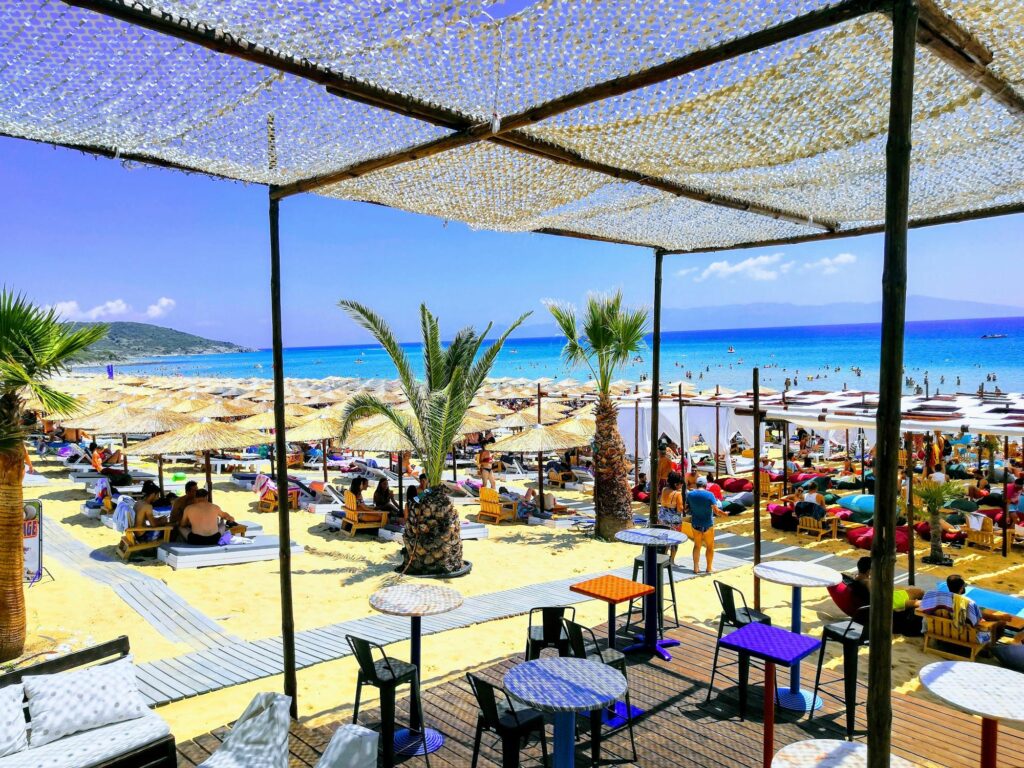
(832, 355)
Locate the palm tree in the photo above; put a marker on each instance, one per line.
(432, 423)
(933, 496)
(609, 336)
(991, 444)
(34, 346)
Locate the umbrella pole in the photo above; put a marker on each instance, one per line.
(757, 484)
(209, 475)
(636, 442)
(540, 480)
(160, 471)
(1006, 490)
(401, 470)
(323, 448)
(910, 508)
(270, 455)
(124, 451)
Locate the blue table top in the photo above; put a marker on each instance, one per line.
(558, 684)
(771, 643)
(651, 537)
(994, 601)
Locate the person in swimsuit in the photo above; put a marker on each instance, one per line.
(144, 517)
(486, 463)
(384, 500)
(670, 501)
(703, 508)
(203, 519)
(356, 487)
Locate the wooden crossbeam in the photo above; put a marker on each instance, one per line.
(469, 131)
(958, 47)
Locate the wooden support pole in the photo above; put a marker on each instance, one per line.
(209, 476)
(291, 687)
(757, 484)
(909, 443)
(785, 458)
(1006, 493)
(540, 462)
(160, 472)
(636, 441)
(888, 415)
(659, 257)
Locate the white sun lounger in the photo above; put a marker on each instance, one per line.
(468, 531)
(252, 463)
(180, 556)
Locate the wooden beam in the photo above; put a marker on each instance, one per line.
(874, 229)
(961, 50)
(890, 379)
(584, 236)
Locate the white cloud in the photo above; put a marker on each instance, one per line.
(162, 307)
(687, 271)
(760, 268)
(830, 265)
(71, 310)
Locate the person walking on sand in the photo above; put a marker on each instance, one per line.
(703, 508)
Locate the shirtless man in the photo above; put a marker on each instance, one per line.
(181, 503)
(203, 520)
(144, 517)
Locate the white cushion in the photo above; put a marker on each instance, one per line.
(91, 747)
(13, 735)
(69, 702)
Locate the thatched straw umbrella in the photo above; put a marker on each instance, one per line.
(539, 439)
(229, 409)
(322, 426)
(381, 436)
(206, 435)
(524, 418)
(127, 418)
(265, 420)
(488, 408)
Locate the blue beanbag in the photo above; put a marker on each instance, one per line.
(858, 502)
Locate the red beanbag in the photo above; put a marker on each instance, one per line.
(736, 485)
(862, 538)
(844, 599)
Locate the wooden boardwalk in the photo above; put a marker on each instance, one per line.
(678, 729)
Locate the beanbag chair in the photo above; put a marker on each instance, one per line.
(862, 538)
(994, 499)
(847, 483)
(746, 498)
(831, 498)
(839, 512)
(782, 516)
(844, 599)
(964, 505)
(1009, 655)
(924, 530)
(736, 485)
(803, 477)
(957, 472)
(858, 502)
(733, 508)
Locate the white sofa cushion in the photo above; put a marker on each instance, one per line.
(90, 747)
(69, 702)
(13, 735)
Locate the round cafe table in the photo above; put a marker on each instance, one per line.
(652, 539)
(798, 575)
(829, 753)
(993, 693)
(416, 601)
(565, 686)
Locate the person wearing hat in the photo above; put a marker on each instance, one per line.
(703, 508)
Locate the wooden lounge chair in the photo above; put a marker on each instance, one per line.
(985, 536)
(493, 509)
(555, 479)
(269, 498)
(940, 634)
(819, 529)
(770, 489)
(356, 520)
(133, 540)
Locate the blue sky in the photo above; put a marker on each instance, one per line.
(189, 252)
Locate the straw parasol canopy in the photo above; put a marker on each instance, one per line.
(265, 420)
(205, 435)
(488, 408)
(193, 403)
(539, 439)
(524, 418)
(122, 419)
(582, 426)
(551, 411)
(381, 436)
(229, 409)
(475, 423)
(322, 426)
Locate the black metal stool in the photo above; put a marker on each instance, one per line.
(733, 615)
(549, 633)
(852, 634)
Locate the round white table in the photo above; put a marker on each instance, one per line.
(416, 601)
(798, 575)
(565, 686)
(993, 693)
(652, 539)
(829, 753)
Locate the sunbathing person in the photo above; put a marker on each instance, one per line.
(962, 609)
(144, 517)
(357, 486)
(384, 500)
(903, 598)
(203, 520)
(526, 506)
(178, 510)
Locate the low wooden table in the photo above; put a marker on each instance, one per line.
(612, 590)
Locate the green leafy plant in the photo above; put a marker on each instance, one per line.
(933, 496)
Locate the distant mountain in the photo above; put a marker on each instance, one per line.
(127, 341)
(778, 315)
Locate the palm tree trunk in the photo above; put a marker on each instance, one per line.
(12, 556)
(936, 534)
(613, 502)
(432, 541)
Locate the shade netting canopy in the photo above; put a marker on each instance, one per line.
(654, 123)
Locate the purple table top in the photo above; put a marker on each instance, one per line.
(771, 643)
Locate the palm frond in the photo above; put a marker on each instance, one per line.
(433, 354)
(379, 329)
(484, 364)
(365, 404)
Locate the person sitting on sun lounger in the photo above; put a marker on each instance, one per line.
(953, 601)
(412, 495)
(203, 520)
(357, 486)
(144, 517)
(526, 506)
(384, 501)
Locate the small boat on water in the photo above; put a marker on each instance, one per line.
(994, 336)
(731, 350)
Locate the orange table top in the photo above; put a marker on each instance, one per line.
(612, 589)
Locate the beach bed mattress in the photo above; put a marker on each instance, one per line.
(197, 556)
(468, 531)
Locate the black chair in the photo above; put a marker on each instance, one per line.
(851, 634)
(512, 723)
(664, 561)
(735, 614)
(583, 645)
(549, 632)
(386, 674)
